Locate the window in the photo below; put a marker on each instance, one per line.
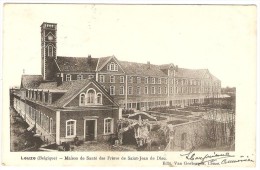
(131, 79)
(82, 99)
(146, 90)
(101, 78)
(130, 90)
(91, 76)
(112, 79)
(112, 90)
(68, 77)
(138, 79)
(50, 51)
(90, 96)
(165, 90)
(122, 79)
(146, 80)
(159, 81)
(79, 77)
(121, 90)
(153, 90)
(153, 80)
(112, 67)
(171, 90)
(166, 81)
(138, 90)
(70, 128)
(51, 125)
(99, 98)
(116, 67)
(176, 81)
(159, 90)
(108, 125)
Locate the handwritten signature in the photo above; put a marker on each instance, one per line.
(220, 158)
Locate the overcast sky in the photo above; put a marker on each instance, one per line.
(220, 38)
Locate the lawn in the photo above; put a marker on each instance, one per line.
(21, 139)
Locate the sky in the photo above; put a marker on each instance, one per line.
(221, 38)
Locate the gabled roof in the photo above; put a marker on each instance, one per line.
(76, 64)
(141, 69)
(102, 61)
(75, 87)
(191, 73)
(31, 81)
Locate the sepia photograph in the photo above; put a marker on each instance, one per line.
(177, 80)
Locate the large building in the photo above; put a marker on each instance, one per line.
(84, 96)
(132, 85)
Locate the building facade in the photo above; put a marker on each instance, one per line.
(84, 96)
(132, 85)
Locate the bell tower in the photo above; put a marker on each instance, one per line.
(48, 50)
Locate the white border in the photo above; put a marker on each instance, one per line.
(236, 2)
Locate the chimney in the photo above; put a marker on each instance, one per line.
(89, 59)
(148, 64)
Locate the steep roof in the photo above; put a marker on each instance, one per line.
(73, 88)
(102, 61)
(76, 64)
(31, 81)
(133, 68)
(191, 73)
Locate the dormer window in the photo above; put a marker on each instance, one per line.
(79, 77)
(112, 67)
(68, 77)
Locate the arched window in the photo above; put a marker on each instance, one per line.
(91, 96)
(99, 98)
(82, 99)
(50, 51)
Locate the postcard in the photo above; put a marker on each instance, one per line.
(134, 85)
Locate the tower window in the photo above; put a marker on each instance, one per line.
(50, 51)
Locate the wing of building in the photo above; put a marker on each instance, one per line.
(84, 96)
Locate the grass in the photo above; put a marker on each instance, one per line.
(21, 139)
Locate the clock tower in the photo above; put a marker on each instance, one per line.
(48, 50)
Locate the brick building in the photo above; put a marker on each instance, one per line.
(132, 85)
(83, 96)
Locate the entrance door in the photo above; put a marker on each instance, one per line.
(90, 130)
